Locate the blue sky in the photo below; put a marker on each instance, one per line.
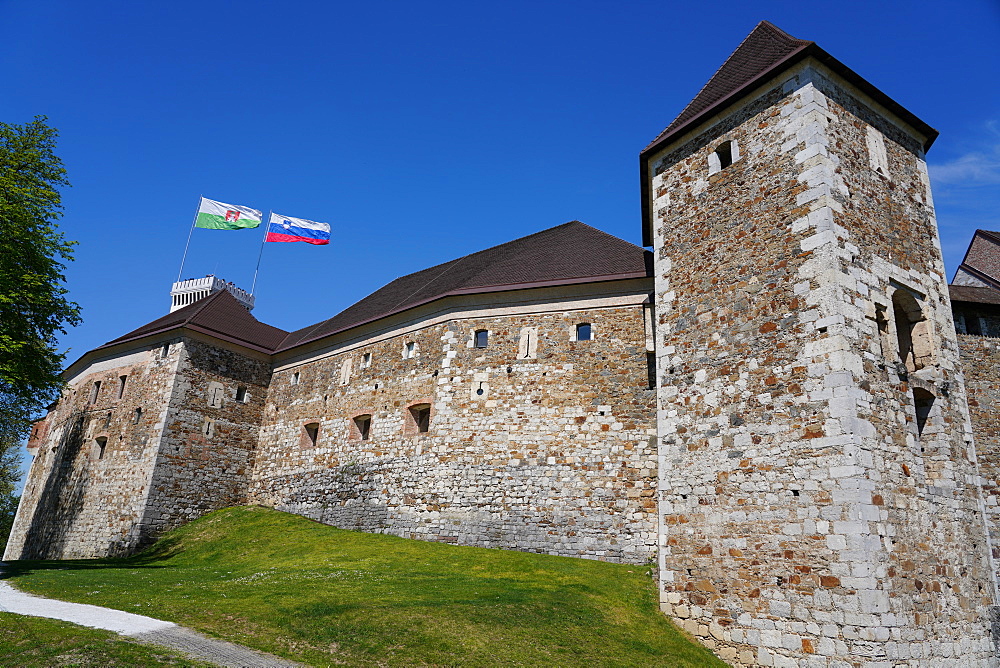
(421, 131)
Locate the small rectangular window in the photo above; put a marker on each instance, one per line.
(583, 331)
(366, 360)
(312, 433)
(165, 351)
(421, 416)
(241, 394)
(296, 378)
(137, 416)
(923, 402)
(723, 156)
(409, 350)
(121, 386)
(725, 153)
(95, 390)
(102, 444)
(362, 426)
(482, 338)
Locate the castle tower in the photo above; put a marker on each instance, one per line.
(818, 486)
(152, 430)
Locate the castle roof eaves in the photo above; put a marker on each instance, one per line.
(464, 291)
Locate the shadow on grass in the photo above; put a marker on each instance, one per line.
(151, 557)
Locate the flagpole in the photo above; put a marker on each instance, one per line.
(267, 225)
(184, 257)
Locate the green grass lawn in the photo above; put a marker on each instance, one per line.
(309, 592)
(33, 642)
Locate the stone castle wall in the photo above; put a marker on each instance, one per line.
(76, 503)
(981, 362)
(206, 449)
(160, 467)
(536, 442)
(803, 519)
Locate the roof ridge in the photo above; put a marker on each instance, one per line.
(204, 304)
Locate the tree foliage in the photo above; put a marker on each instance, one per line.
(9, 473)
(33, 304)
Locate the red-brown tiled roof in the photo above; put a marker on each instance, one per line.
(218, 315)
(566, 254)
(969, 293)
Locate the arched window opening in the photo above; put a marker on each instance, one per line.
(923, 402)
(913, 338)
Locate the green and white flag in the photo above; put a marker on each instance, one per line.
(214, 215)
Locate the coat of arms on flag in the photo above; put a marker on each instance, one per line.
(214, 215)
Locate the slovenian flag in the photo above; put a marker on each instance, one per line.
(286, 228)
(214, 215)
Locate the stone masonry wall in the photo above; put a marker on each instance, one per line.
(210, 434)
(537, 442)
(77, 504)
(981, 362)
(804, 522)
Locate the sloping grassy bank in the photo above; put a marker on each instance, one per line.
(316, 594)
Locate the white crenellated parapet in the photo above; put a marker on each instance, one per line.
(193, 289)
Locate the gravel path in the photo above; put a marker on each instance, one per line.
(144, 629)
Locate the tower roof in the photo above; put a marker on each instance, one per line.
(765, 46)
(762, 55)
(569, 253)
(219, 315)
